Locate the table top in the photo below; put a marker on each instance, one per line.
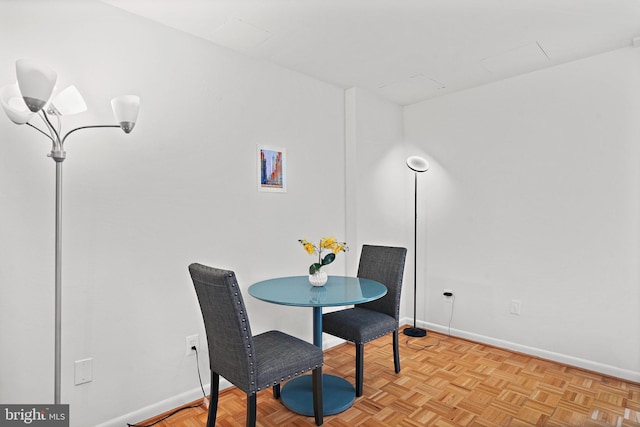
(297, 291)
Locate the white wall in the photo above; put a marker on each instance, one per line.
(536, 200)
(139, 208)
(376, 172)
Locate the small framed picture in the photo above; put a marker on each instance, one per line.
(272, 169)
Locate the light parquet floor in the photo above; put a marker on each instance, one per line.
(456, 383)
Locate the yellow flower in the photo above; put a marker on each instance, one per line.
(308, 246)
(328, 242)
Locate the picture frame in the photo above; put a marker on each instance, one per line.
(272, 169)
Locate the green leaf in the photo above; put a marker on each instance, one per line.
(315, 267)
(328, 259)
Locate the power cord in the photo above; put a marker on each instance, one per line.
(204, 400)
(453, 301)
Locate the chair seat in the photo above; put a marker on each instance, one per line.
(358, 325)
(273, 366)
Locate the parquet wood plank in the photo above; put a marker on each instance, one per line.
(456, 383)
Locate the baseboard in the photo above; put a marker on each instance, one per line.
(163, 406)
(532, 351)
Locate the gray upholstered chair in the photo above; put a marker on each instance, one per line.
(371, 320)
(251, 363)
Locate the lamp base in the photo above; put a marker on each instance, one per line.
(415, 332)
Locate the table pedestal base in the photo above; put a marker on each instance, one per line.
(337, 395)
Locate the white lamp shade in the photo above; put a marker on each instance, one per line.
(125, 108)
(36, 82)
(14, 105)
(68, 101)
(417, 164)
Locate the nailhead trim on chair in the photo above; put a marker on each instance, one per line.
(288, 377)
(378, 336)
(244, 328)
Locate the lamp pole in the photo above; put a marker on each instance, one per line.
(58, 285)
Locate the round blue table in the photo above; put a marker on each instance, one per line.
(338, 394)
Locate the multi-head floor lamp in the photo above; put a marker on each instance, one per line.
(31, 98)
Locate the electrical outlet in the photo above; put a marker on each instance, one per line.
(83, 371)
(446, 297)
(515, 307)
(192, 341)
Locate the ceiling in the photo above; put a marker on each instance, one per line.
(405, 50)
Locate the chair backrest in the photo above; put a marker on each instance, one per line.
(227, 325)
(384, 264)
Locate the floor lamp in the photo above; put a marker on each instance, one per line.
(30, 98)
(417, 165)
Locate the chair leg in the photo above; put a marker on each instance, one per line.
(213, 403)
(318, 408)
(251, 410)
(276, 391)
(396, 352)
(359, 368)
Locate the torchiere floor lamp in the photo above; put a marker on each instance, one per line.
(30, 98)
(416, 164)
